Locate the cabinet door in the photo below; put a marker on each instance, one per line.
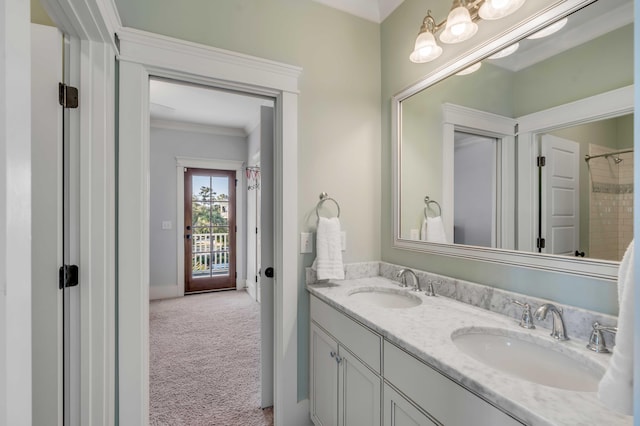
(323, 378)
(400, 412)
(359, 392)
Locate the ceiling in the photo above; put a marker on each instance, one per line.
(372, 10)
(582, 26)
(173, 102)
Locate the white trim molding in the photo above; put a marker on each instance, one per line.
(175, 56)
(15, 214)
(457, 117)
(181, 126)
(143, 55)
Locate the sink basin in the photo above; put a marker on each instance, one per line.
(530, 358)
(385, 298)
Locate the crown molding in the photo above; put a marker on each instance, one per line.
(182, 126)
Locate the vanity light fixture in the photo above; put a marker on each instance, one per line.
(505, 52)
(426, 49)
(459, 26)
(473, 68)
(553, 28)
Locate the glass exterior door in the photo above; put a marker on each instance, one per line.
(210, 230)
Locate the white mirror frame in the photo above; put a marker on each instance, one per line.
(593, 268)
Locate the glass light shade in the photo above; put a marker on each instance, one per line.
(505, 52)
(496, 9)
(426, 49)
(459, 26)
(549, 30)
(473, 68)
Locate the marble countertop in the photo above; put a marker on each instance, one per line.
(425, 331)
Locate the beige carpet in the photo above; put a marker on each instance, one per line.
(205, 361)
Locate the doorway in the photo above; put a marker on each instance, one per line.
(203, 143)
(475, 189)
(210, 230)
(216, 68)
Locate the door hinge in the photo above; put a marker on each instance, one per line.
(540, 243)
(516, 129)
(67, 96)
(256, 229)
(236, 183)
(235, 275)
(541, 161)
(68, 276)
(256, 278)
(236, 228)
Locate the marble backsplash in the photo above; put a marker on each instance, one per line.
(577, 321)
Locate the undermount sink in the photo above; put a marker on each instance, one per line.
(385, 297)
(530, 358)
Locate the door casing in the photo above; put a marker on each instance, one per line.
(142, 55)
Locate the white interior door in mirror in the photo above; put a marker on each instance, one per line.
(560, 189)
(475, 189)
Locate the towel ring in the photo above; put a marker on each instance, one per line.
(325, 197)
(427, 203)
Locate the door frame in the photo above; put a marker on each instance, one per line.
(205, 163)
(143, 55)
(610, 104)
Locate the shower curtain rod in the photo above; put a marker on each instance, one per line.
(622, 151)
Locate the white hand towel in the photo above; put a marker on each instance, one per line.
(616, 387)
(328, 263)
(423, 230)
(435, 230)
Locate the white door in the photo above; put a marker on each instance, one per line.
(266, 256)
(46, 228)
(560, 196)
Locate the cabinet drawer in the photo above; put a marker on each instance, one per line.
(438, 395)
(364, 343)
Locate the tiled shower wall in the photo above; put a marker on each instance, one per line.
(610, 204)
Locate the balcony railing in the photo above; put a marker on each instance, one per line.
(210, 254)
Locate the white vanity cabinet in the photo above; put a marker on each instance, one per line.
(444, 400)
(398, 411)
(345, 391)
(347, 370)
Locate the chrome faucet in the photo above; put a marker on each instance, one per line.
(596, 340)
(525, 320)
(403, 280)
(557, 327)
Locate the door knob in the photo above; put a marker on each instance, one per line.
(188, 236)
(188, 227)
(269, 272)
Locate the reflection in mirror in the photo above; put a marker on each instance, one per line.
(602, 224)
(461, 138)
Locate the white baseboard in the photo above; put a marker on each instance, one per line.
(157, 292)
(251, 288)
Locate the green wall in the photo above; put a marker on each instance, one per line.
(398, 33)
(39, 15)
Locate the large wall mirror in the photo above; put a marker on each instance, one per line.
(528, 159)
